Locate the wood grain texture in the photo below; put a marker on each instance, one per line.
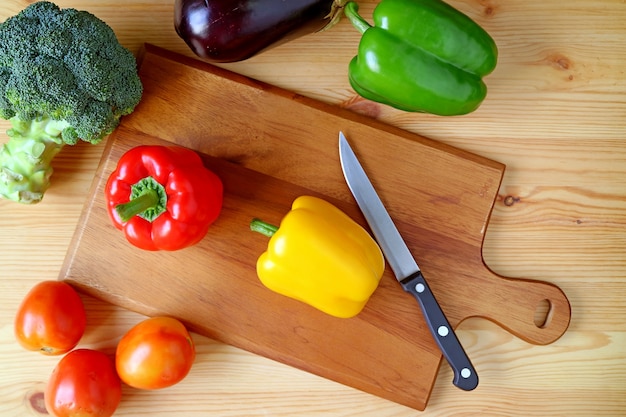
(554, 116)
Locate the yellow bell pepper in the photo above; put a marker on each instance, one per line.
(322, 257)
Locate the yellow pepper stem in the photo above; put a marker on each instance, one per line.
(258, 225)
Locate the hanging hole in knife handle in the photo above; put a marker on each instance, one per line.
(543, 314)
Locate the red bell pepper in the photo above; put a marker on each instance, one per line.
(163, 198)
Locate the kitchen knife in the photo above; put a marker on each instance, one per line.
(405, 267)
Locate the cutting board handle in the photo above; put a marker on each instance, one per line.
(535, 311)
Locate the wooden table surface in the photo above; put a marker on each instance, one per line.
(555, 114)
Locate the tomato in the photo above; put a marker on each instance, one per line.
(51, 318)
(157, 353)
(84, 383)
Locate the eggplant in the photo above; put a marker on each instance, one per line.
(235, 30)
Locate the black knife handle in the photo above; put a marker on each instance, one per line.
(465, 376)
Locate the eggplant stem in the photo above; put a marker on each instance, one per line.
(334, 14)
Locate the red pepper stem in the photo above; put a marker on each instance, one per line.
(259, 226)
(148, 200)
(351, 10)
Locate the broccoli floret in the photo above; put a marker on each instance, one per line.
(64, 76)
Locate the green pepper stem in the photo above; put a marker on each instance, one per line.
(351, 11)
(148, 200)
(258, 225)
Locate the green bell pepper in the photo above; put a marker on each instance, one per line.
(421, 56)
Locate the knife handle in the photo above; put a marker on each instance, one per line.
(465, 376)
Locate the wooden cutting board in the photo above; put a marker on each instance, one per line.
(270, 146)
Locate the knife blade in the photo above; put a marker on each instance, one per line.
(405, 267)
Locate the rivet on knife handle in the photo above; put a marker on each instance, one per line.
(465, 376)
(404, 266)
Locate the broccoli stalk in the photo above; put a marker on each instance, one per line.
(25, 161)
(64, 77)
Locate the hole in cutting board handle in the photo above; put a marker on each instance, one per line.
(543, 314)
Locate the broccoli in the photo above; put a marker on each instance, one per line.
(63, 77)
